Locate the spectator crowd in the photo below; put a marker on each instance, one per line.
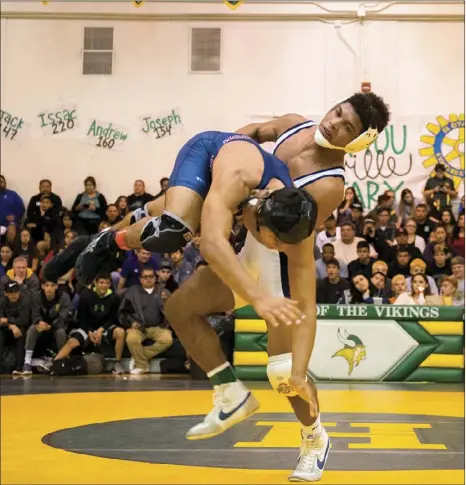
(405, 252)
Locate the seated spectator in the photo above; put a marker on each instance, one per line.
(417, 295)
(413, 239)
(165, 280)
(34, 207)
(407, 206)
(385, 229)
(130, 273)
(457, 268)
(44, 220)
(440, 238)
(439, 189)
(201, 264)
(346, 247)
(328, 254)
(424, 225)
(97, 322)
(192, 252)
(24, 246)
(65, 224)
(141, 313)
(385, 201)
(418, 266)
(182, 269)
(330, 234)
(27, 280)
(448, 294)
(362, 290)
(11, 211)
(398, 287)
(6, 260)
(401, 263)
(457, 238)
(49, 314)
(379, 280)
(448, 220)
(90, 206)
(122, 205)
(15, 318)
(113, 214)
(163, 187)
(364, 262)
(441, 266)
(401, 239)
(65, 282)
(140, 197)
(333, 289)
(357, 218)
(344, 209)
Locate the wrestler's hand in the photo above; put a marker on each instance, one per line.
(279, 311)
(306, 392)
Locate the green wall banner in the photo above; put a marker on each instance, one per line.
(367, 343)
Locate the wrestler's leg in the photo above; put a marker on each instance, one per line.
(202, 294)
(280, 344)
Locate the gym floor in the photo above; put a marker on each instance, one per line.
(107, 430)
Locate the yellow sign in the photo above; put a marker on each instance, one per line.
(446, 146)
(232, 4)
(136, 3)
(44, 3)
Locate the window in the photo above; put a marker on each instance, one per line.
(205, 49)
(98, 50)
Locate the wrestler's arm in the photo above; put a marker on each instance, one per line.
(302, 277)
(270, 130)
(229, 188)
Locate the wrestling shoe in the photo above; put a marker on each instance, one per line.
(65, 261)
(312, 458)
(233, 403)
(95, 257)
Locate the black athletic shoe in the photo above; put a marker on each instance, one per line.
(65, 261)
(97, 256)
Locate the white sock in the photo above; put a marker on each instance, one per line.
(314, 429)
(28, 357)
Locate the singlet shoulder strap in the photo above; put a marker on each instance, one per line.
(292, 131)
(310, 178)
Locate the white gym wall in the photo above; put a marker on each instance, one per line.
(271, 63)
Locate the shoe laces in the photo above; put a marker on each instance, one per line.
(308, 453)
(220, 400)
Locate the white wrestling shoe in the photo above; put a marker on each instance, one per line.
(233, 403)
(312, 458)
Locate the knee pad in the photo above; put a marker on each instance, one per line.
(279, 373)
(138, 214)
(165, 234)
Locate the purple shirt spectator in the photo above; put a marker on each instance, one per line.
(133, 265)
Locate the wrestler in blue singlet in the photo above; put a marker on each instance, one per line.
(193, 165)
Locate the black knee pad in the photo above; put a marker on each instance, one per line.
(165, 235)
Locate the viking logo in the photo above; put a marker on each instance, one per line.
(353, 352)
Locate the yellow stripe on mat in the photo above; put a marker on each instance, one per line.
(250, 326)
(250, 358)
(443, 328)
(444, 360)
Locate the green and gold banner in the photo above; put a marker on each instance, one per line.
(367, 343)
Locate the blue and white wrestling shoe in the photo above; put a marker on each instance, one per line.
(312, 458)
(233, 403)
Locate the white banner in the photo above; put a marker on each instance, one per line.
(358, 349)
(405, 154)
